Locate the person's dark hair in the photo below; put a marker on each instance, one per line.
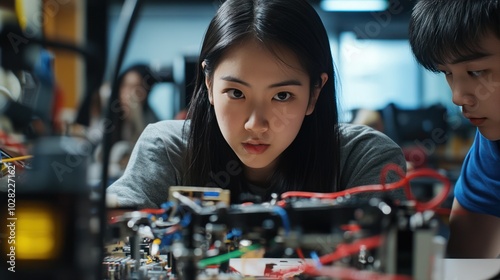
(441, 31)
(311, 162)
(148, 80)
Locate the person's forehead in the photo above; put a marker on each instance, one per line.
(254, 49)
(486, 47)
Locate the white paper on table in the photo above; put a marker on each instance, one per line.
(266, 266)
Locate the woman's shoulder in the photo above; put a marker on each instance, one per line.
(355, 133)
(167, 136)
(364, 152)
(172, 131)
(170, 125)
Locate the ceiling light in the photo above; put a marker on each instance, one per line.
(354, 5)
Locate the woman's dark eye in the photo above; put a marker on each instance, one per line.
(282, 96)
(236, 94)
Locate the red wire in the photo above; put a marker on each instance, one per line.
(346, 273)
(434, 203)
(344, 250)
(300, 253)
(351, 191)
(402, 183)
(153, 211)
(420, 206)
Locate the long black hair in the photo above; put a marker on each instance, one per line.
(311, 162)
(148, 80)
(441, 31)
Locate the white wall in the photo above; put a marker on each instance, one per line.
(162, 36)
(163, 32)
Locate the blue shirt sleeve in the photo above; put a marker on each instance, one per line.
(478, 187)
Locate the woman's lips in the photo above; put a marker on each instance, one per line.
(255, 148)
(477, 121)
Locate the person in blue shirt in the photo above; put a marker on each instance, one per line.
(461, 39)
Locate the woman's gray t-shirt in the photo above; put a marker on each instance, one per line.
(156, 162)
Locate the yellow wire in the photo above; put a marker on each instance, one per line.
(15, 158)
(21, 16)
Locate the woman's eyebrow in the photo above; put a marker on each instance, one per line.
(235, 80)
(291, 82)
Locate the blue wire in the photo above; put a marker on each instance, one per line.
(284, 217)
(315, 259)
(166, 205)
(234, 233)
(186, 220)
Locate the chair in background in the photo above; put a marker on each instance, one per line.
(408, 125)
(421, 133)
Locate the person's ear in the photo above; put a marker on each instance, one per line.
(315, 94)
(207, 83)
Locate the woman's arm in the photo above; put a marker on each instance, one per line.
(153, 167)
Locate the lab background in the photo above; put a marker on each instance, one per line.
(70, 53)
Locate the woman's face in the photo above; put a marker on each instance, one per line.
(132, 91)
(260, 103)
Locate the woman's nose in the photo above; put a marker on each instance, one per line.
(257, 121)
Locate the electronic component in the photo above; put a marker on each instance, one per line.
(207, 196)
(330, 235)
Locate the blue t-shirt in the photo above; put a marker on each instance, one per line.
(478, 187)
